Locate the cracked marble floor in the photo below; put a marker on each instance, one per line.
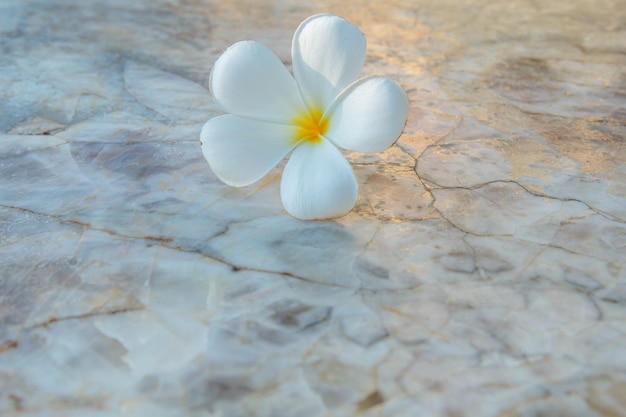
(482, 272)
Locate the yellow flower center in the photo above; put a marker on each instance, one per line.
(310, 126)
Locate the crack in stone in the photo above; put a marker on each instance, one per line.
(8, 345)
(530, 262)
(38, 148)
(367, 244)
(374, 399)
(402, 148)
(476, 269)
(533, 193)
(594, 302)
(53, 319)
(236, 268)
(441, 138)
(434, 200)
(544, 245)
(164, 241)
(481, 185)
(127, 142)
(599, 212)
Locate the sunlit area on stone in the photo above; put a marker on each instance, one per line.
(277, 208)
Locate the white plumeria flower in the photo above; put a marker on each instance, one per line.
(323, 108)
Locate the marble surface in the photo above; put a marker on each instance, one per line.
(482, 272)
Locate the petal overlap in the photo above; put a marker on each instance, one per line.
(318, 182)
(249, 80)
(368, 116)
(328, 54)
(240, 151)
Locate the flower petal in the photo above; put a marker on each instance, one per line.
(241, 151)
(368, 116)
(318, 182)
(249, 80)
(328, 54)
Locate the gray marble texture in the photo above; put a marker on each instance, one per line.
(481, 273)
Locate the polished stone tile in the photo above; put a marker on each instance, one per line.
(482, 271)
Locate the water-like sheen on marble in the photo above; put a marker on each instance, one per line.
(481, 273)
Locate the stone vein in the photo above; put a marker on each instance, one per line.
(168, 243)
(165, 243)
(536, 194)
(493, 356)
(90, 314)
